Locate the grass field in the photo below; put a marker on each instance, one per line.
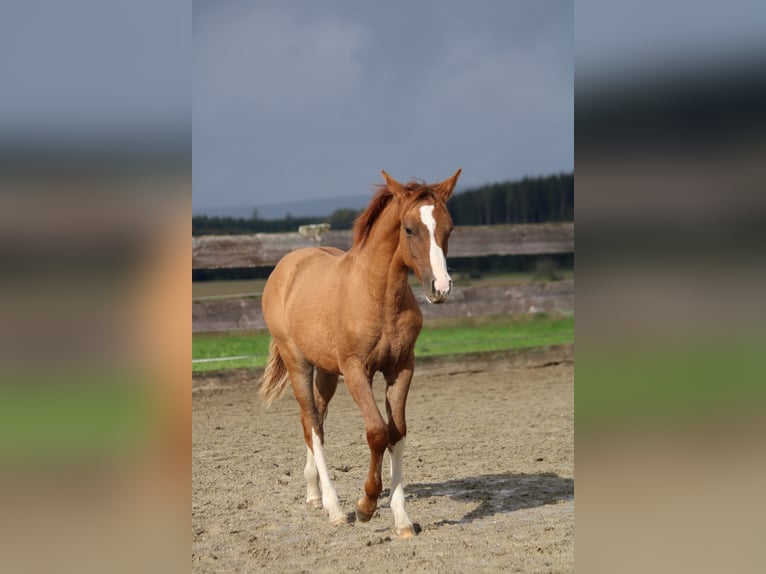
(443, 337)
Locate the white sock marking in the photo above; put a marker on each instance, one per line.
(313, 493)
(401, 520)
(438, 262)
(329, 496)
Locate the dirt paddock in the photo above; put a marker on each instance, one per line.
(488, 472)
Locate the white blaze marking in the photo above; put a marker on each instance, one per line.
(401, 520)
(329, 497)
(438, 262)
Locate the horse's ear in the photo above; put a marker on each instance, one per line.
(444, 188)
(393, 186)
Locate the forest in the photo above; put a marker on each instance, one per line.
(530, 200)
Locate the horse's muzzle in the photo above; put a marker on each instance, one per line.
(434, 295)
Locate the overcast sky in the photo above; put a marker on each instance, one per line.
(303, 99)
(307, 99)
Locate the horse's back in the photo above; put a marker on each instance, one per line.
(299, 299)
(297, 268)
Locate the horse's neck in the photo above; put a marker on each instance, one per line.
(379, 259)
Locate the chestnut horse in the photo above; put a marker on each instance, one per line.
(354, 314)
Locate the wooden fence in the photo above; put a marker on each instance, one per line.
(255, 250)
(240, 312)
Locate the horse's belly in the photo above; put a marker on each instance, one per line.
(312, 334)
(318, 350)
(298, 301)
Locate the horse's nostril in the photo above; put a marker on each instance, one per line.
(433, 285)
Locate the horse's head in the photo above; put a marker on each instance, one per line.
(424, 232)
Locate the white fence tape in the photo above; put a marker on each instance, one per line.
(194, 361)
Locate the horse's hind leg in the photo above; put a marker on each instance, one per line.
(301, 375)
(325, 385)
(324, 389)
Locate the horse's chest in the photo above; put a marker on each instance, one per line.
(396, 343)
(389, 349)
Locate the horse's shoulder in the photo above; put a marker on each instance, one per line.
(332, 251)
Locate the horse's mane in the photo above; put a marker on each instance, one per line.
(416, 189)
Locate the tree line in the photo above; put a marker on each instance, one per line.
(531, 200)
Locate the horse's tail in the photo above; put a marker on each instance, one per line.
(275, 378)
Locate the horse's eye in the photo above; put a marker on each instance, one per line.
(409, 231)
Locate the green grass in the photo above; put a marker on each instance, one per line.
(215, 345)
(493, 334)
(444, 337)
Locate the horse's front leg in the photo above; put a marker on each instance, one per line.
(398, 385)
(359, 384)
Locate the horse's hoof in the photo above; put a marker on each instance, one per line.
(315, 503)
(406, 532)
(338, 520)
(365, 509)
(363, 516)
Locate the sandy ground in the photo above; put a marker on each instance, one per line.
(488, 472)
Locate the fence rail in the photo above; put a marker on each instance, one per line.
(261, 249)
(234, 314)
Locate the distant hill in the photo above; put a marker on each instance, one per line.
(529, 200)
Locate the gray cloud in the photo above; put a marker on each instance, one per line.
(295, 101)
